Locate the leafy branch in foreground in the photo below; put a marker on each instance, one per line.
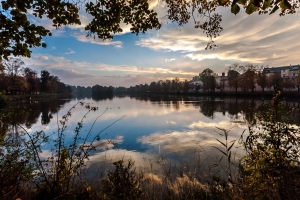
(18, 34)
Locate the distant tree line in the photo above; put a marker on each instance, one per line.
(96, 90)
(249, 76)
(161, 86)
(17, 79)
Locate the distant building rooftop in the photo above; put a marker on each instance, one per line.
(278, 69)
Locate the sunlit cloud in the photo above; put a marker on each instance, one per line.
(99, 73)
(170, 122)
(254, 39)
(80, 36)
(169, 60)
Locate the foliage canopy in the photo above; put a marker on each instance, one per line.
(18, 33)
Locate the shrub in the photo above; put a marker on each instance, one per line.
(122, 183)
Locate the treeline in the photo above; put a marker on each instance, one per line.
(248, 77)
(16, 79)
(174, 85)
(96, 90)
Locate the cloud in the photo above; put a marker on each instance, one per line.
(169, 60)
(245, 39)
(89, 74)
(170, 122)
(46, 23)
(80, 36)
(43, 58)
(70, 51)
(71, 74)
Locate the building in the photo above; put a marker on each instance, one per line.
(285, 71)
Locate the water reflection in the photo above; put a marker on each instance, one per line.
(179, 127)
(14, 118)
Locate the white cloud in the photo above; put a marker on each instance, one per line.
(43, 57)
(169, 60)
(70, 51)
(88, 74)
(254, 39)
(80, 36)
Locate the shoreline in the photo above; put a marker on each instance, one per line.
(32, 97)
(259, 94)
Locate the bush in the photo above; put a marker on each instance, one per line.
(123, 183)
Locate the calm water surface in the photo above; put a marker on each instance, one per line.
(181, 129)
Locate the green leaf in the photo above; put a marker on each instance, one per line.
(266, 4)
(284, 4)
(235, 9)
(250, 9)
(243, 2)
(44, 45)
(222, 2)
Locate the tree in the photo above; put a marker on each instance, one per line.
(208, 79)
(275, 80)
(18, 34)
(45, 78)
(235, 72)
(2, 78)
(152, 87)
(233, 79)
(243, 76)
(176, 84)
(13, 68)
(262, 80)
(32, 80)
(288, 84)
(297, 81)
(186, 86)
(249, 79)
(53, 84)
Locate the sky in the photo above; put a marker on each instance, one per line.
(170, 52)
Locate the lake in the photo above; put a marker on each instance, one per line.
(151, 129)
